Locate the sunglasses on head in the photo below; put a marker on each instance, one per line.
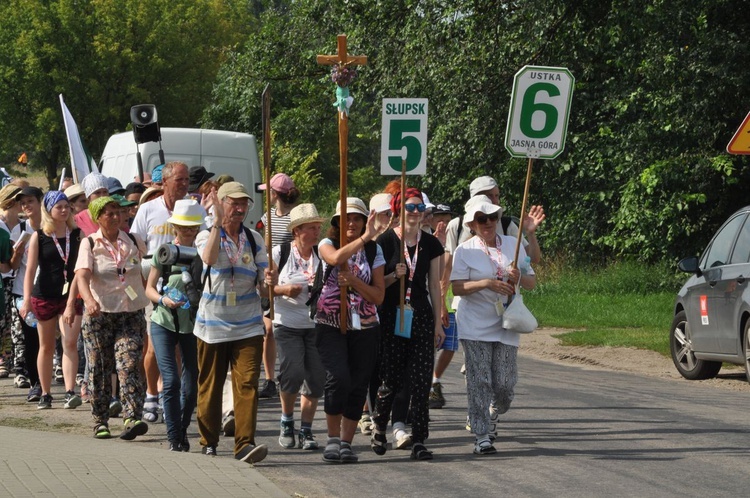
(484, 218)
(415, 207)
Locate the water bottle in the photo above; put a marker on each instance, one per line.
(30, 319)
(176, 296)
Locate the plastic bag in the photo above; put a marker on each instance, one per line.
(517, 317)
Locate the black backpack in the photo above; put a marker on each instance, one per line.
(371, 251)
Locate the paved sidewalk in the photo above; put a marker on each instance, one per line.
(36, 463)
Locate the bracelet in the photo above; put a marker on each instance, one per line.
(161, 300)
(364, 242)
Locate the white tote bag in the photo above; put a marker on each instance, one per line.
(517, 317)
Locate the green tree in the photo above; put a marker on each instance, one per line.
(105, 56)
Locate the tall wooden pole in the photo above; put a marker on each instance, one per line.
(343, 60)
(523, 211)
(266, 118)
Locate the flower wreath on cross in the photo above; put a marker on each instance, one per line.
(343, 75)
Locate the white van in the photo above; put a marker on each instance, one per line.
(220, 152)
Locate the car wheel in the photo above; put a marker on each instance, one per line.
(683, 355)
(747, 350)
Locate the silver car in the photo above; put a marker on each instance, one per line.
(712, 311)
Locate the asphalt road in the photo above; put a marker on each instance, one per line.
(571, 432)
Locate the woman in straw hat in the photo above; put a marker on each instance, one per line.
(299, 361)
(172, 327)
(348, 358)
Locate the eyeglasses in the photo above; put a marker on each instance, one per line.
(415, 207)
(484, 218)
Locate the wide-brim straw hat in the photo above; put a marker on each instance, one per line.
(149, 194)
(304, 213)
(74, 191)
(354, 205)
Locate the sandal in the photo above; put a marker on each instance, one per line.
(101, 431)
(378, 442)
(484, 447)
(420, 452)
(346, 454)
(332, 452)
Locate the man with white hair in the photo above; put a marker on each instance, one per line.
(483, 188)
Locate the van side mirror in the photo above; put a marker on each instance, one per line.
(690, 265)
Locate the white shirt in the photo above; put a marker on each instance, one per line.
(476, 317)
(291, 311)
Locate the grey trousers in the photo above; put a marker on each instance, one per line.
(491, 376)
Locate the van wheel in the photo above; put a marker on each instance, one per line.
(747, 350)
(683, 355)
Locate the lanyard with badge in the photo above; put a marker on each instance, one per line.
(64, 256)
(411, 264)
(233, 258)
(496, 259)
(119, 264)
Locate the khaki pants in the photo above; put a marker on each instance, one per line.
(243, 358)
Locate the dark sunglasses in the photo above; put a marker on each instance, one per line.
(415, 207)
(484, 218)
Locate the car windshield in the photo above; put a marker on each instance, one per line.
(719, 252)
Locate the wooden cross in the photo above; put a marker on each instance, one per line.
(343, 59)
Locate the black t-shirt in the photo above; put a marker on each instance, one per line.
(49, 281)
(429, 248)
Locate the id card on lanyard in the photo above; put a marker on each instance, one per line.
(233, 258)
(496, 259)
(64, 256)
(119, 260)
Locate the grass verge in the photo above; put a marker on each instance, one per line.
(621, 305)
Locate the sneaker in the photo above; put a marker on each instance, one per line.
(101, 431)
(79, 380)
(268, 390)
(59, 375)
(45, 402)
(365, 424)
(227, 425)
(4, 372)
(252, 453)
(463, 369)
(173, 446)
(306, 440)
(133, 428)
(35, 394)
(72, 400)
(286, 438)
(402, 439)
(209, 450)
(484, 447)
(468, 424)
(379, 442)
(85, 392)
(115, 407)
(21, 381)
(437, 400)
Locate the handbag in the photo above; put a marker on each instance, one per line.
(517, 317)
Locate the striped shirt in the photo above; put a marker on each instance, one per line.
(216, 321)
(279, 227)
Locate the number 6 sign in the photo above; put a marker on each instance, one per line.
(539, 110)
(404, 136)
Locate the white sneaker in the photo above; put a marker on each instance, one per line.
(402, 439)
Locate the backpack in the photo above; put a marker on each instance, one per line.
(253, 248)
(371, 251)
(504, 222)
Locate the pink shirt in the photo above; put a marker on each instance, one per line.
(107, 286)
(85, 223)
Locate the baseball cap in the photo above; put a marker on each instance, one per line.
(235, 190)
(280, 182)
(380, 203)
(30, 191)
(482, 184)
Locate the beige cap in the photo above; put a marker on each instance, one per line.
(74, 191)
(235, 190)
(380, 202)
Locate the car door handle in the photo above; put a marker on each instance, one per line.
(741, 280)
